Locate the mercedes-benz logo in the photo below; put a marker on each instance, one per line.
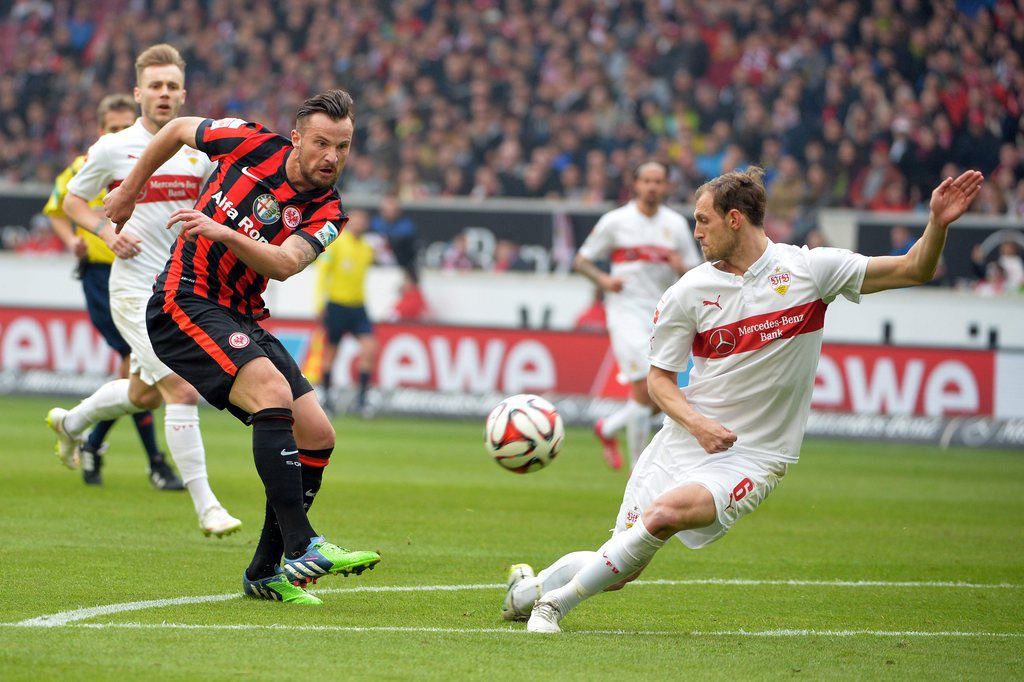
(723, 341)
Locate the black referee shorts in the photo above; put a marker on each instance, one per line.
(206, 344)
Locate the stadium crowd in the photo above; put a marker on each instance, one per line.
(861, 104)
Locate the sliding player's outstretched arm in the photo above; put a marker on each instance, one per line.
(949, 201)
(120, 202)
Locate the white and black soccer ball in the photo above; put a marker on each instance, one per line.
(524, 433)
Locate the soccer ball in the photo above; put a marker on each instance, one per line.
(524, 433)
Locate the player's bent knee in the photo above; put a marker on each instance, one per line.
(693, 507)
(144, 397)
(259, 386)
(177, 391)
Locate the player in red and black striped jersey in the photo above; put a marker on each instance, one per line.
(268, 210)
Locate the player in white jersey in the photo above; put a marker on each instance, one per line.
(649, 247)
(753, 317)
(142, 249)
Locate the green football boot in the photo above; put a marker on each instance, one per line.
(323, 558)
(277, 588)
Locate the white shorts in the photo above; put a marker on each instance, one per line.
(129, 314)
(737, 482)
(630, 333)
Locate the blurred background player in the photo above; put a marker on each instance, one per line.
(733, 432)
(649, 246)
(141, 250)
(268, 211)
(114, 113)
(341, 280)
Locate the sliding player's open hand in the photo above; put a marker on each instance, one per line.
(196, 223)
(952, 197)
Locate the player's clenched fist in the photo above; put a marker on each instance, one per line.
(119, 206)
(196, 223)
(713, 437)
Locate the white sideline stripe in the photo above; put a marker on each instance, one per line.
(522, 630)
(65, 617)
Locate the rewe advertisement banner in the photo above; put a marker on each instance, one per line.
(459, 371)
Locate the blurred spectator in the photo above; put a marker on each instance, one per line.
(456, 256)
(530, 89)
(594, 318)
(507, 258)
(901, 240)
(400, 233)
(994, 283)
(410, 306)
(1012, 265)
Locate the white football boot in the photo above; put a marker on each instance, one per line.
(545, 617)
(518, 606)
(67, 447)
(216, 521)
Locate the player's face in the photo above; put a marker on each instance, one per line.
(650, 185)
(323, 145)
(712, 230)
(116, 121)
(160, 93)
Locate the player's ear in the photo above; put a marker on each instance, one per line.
(295, 137)
(137, 94)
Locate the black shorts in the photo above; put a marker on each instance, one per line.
(343, 319)
(206, 344)
(95, 285)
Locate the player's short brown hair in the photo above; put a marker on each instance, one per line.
(337, 104)
(639, 168)
(158, 55)
(116, 102)
(740, 190)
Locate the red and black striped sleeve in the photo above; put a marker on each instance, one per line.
(219, 138)
(323, 225)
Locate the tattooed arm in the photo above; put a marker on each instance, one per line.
(273, 262)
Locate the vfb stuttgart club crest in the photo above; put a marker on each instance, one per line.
(266, 209)
(780, 283)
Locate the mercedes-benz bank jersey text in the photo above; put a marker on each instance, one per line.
(755, 340)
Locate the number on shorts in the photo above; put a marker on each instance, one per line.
(742, 489)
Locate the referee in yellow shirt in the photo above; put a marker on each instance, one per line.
(342, 279)
(115, 113)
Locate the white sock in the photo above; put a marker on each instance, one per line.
(638, 430)
(110, 401)
(185, 442)
(622, 556)
(554, 576)
(620, 417)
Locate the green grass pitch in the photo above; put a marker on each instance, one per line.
(940, 531)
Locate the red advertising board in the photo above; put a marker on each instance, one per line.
(851, 378)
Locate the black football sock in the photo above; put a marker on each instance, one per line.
(313, 463)
(364, 384)
(277, 462)
(99, 434)
(270, 548)
(147, 434)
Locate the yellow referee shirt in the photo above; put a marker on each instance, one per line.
(97, 250)
(342, 270)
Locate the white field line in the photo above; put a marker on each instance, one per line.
(522, 630)
(66, 617)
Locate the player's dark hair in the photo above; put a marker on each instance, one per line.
(337, 104)
(639, 167)
(116, 102)
(740, 190)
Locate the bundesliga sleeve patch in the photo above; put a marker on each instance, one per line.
(326, 234)
(227, 123)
